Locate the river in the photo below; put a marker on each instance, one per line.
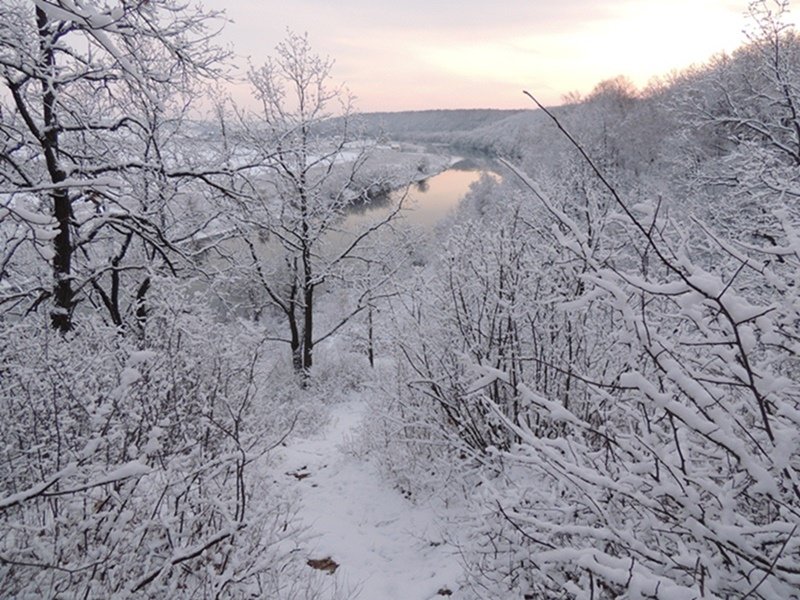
(427, 202)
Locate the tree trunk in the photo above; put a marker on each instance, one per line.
(63, 294)
(308, 285)
(370, 338)
(62, 263)
(297, 353)
(141, 306)
(308, 329)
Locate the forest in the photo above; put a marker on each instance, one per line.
(586, 377)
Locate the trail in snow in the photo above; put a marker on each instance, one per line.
(386, 547)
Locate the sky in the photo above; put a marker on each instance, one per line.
(424, 54)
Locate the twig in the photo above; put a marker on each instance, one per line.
(771, 566)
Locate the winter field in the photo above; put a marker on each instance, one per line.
(290, 351)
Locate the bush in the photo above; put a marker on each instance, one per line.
(127, 462)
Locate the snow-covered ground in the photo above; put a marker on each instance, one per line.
(386, 547)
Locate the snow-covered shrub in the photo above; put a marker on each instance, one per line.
(651, 449)
(128, 463)
(493, 300)
(339, 372)
(404, 435)
(689, 488)
(490, 300)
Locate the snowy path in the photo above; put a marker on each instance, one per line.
(386, 547)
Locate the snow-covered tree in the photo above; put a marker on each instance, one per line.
(315, 169)
(94, 95)
(127, 461)
(686, 486)
(740, 133)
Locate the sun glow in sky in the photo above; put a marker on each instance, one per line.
(419, 54)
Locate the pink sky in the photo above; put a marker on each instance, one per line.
(415, 54)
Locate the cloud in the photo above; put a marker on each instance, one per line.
(466, 15)
(416, 54)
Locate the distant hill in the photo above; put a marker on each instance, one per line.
(432, 125)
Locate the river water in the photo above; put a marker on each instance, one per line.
(424, 203)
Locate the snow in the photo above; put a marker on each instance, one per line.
(386, 547)
(13, 499)
(29, 216)
(130, 469)
(142, 356)
(129, 376)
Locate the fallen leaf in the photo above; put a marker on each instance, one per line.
(444, 592)
(323, 564)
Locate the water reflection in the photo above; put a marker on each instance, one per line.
(425, 202)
